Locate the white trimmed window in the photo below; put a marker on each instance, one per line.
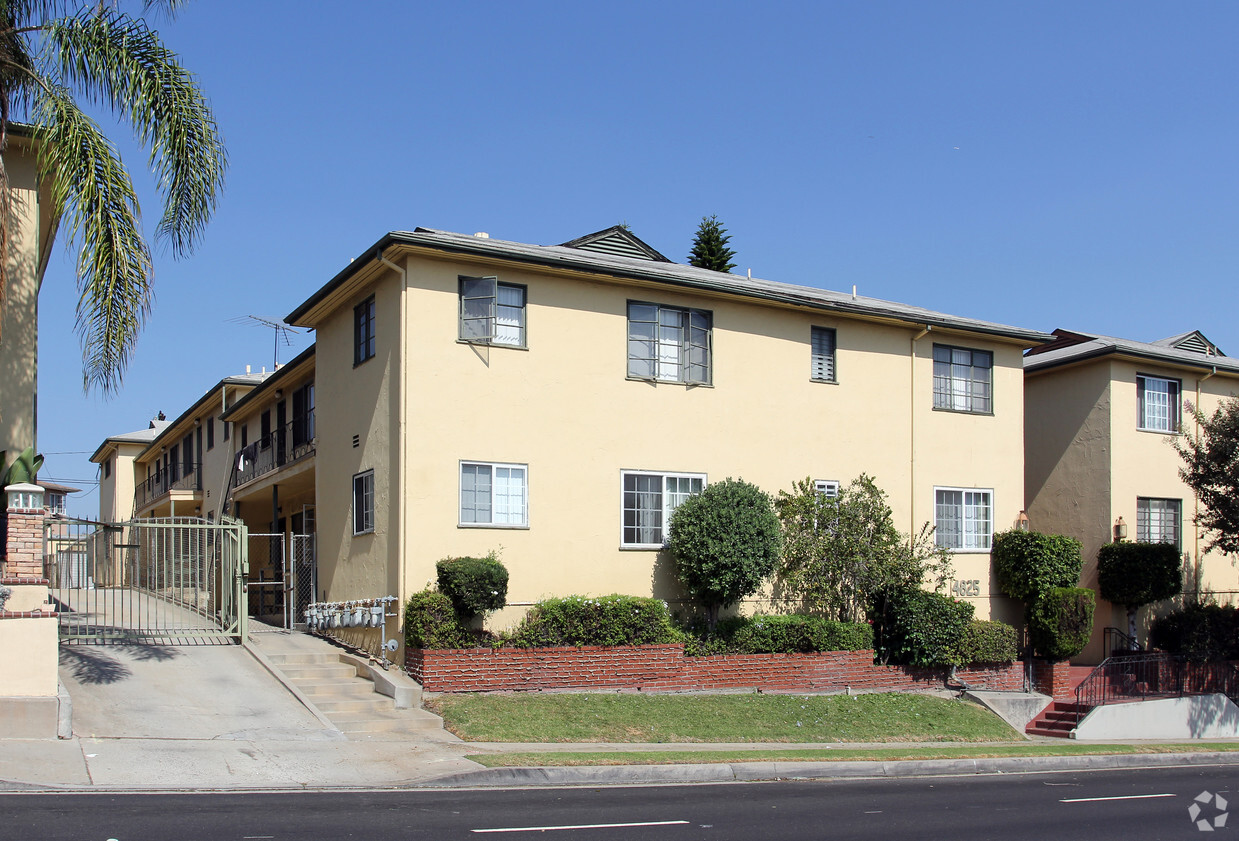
(828, 488)
(963, 519)
(494, 494)
(491, 312)
(963, 379)
(648, 502)
(668, 344)
(363, 502)
(1158, 520)
(1158, 404)
(822, 365)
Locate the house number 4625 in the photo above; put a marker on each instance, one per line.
(966, 588)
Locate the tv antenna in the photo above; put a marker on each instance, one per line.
(281, 332)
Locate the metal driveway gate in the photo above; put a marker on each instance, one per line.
(172, 579)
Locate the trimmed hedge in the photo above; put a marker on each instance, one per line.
(988, 642)
(430, 621)
(1200, 633)
(919, 628)
(1135, 574)
(600, 620)
(476, 586)
(1061, 622)
(1027, 564)
(791, 634)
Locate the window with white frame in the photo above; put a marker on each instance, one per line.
(492, 312)
(494, 494)
(1157, 400)
(1158, 520)
(668, 344)
(363, 502)
(963, 518)
(649, 500)
(822, 366)
(963, 379)
(828, 488)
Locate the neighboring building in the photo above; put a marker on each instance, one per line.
(1101, 416)
(56, 498)
(31, 232)
(555, 403)
(117, 482)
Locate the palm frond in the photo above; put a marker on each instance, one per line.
(119, 61)
(91, 191)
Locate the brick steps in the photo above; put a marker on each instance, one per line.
(1058, 719)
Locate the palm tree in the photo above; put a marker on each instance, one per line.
(53, 53)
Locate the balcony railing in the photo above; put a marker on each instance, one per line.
(284, 446)
(179, 477)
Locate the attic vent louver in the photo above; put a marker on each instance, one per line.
(1195, 344)
(617, 242)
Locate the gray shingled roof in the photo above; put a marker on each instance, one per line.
(672, 274)
(1096, 345)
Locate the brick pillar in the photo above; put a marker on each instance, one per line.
(1053, 678)
(22, 532)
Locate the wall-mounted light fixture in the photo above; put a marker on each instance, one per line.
(1120, 530)
(1021, 522)
(279, 394)
(24, 496)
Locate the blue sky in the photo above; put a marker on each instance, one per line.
(1037, 164)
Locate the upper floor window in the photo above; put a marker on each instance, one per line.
(1157, 520)
(668, 343)
(55, 503)
(963, 379)
(649, 501)
(828, 488)
(963, 518)
(363, 502)
(107, 468)
(303, 415)
(1158, 404)
(210, 425)
(363, 331)
(822, 367)
(492, 312)
(494, 494)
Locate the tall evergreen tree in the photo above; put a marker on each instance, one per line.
(53, 54)
(710, 249)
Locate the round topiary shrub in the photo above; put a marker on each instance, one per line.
(1027, 564)
(1136, 574)
(988, 642)
(1061, 622)
(430, 621)
(476, 586)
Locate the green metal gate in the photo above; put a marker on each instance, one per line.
(171, 580)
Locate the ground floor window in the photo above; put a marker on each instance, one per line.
(963, 518)
(648, 502)
(1157, 520)
(493, 494)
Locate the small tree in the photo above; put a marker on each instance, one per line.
(710, 249)
(1028, 563)
(476, 586)
(840, 552)
(1209, 470)
(725, 542)
(1060, 621)
(1136, 574)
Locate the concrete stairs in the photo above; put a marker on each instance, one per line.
(328, 681)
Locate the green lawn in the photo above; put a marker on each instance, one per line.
(665, 757)
(595, 717)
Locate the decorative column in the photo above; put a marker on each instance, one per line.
(22, 530)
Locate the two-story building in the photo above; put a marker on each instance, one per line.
(555, 404)
(1101, 416)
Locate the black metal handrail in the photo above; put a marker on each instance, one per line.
(1140, 677)
(1116, 643)
(284, 445)
(174, 477)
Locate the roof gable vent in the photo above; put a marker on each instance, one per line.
(1193, 342)
(617, 241)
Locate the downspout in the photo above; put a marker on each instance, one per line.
(912, 432)
(226, 479)
(1196, 564)
(401, 413)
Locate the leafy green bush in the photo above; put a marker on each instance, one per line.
(1200, 633)
(725, 541)
(601, 620)
(1135, 574)
(1061, 621)
(1027, 564)
(476, 586)
(430, 621)
(920, 628)
(789, 634)
(988, 642)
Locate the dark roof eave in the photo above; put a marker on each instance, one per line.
(1111, 350)
(639, 273)
(270, 382)
(207, 395)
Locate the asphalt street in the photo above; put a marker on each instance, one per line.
(1096, 805)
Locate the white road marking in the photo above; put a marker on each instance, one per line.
(1119, 797)
(578, 826)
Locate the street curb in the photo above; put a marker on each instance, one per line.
(756, 771)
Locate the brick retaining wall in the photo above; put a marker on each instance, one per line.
(665, 668)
